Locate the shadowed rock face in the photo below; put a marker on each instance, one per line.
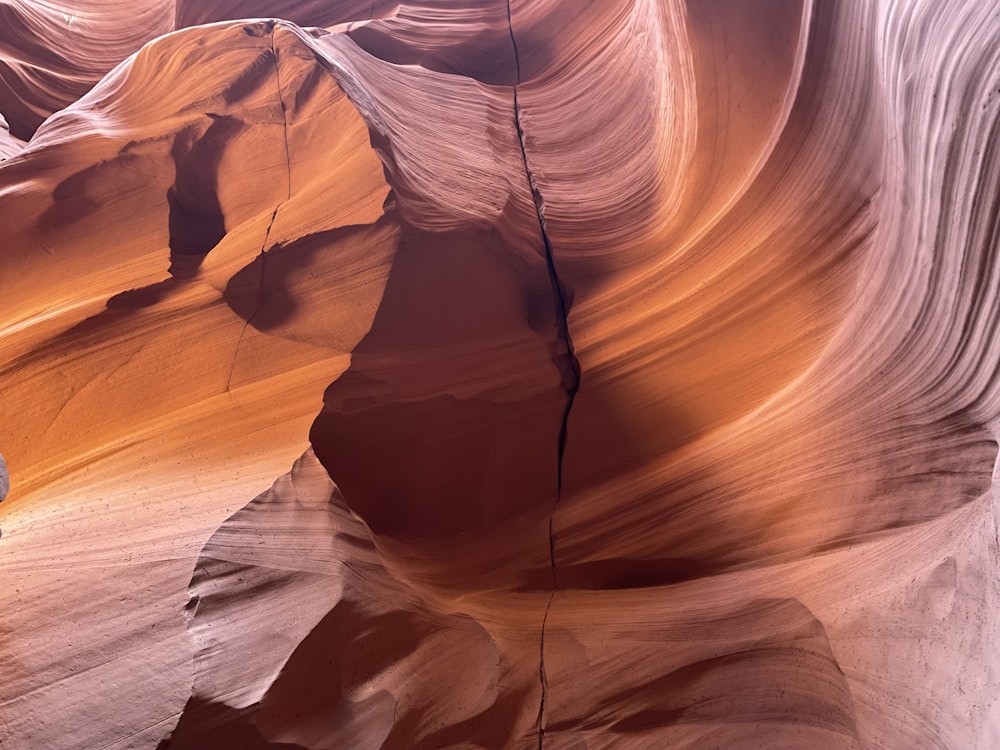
(499, 374)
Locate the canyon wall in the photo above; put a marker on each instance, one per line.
(518, 374)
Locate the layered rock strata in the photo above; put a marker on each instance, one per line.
(509, 374)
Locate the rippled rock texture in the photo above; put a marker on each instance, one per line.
(542, 374)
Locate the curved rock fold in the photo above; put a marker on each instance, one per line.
(499, 374)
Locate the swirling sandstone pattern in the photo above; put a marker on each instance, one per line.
(500, 374)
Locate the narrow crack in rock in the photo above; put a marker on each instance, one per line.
(565, 361)
(262, 255)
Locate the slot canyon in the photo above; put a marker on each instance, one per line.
(530, 374)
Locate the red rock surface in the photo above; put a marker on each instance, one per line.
(619, 374)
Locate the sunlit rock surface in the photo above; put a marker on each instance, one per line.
(619, 374)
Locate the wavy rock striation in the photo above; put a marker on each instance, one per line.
(500, 374)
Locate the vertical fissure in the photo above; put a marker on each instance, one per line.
(262, 255)
(564, 358)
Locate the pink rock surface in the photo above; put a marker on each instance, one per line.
(619, 374)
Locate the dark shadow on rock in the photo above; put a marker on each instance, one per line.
(144, 296)
(216, 726)
(486, 56)
(254, 76)
(117, 316)
(313, 698)
(72, 198)
(631, 573)
(789, 677)
(494, 727)
(767, 663)
(417, 461)
(196, 223)
(262, 292)
(355, 678)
